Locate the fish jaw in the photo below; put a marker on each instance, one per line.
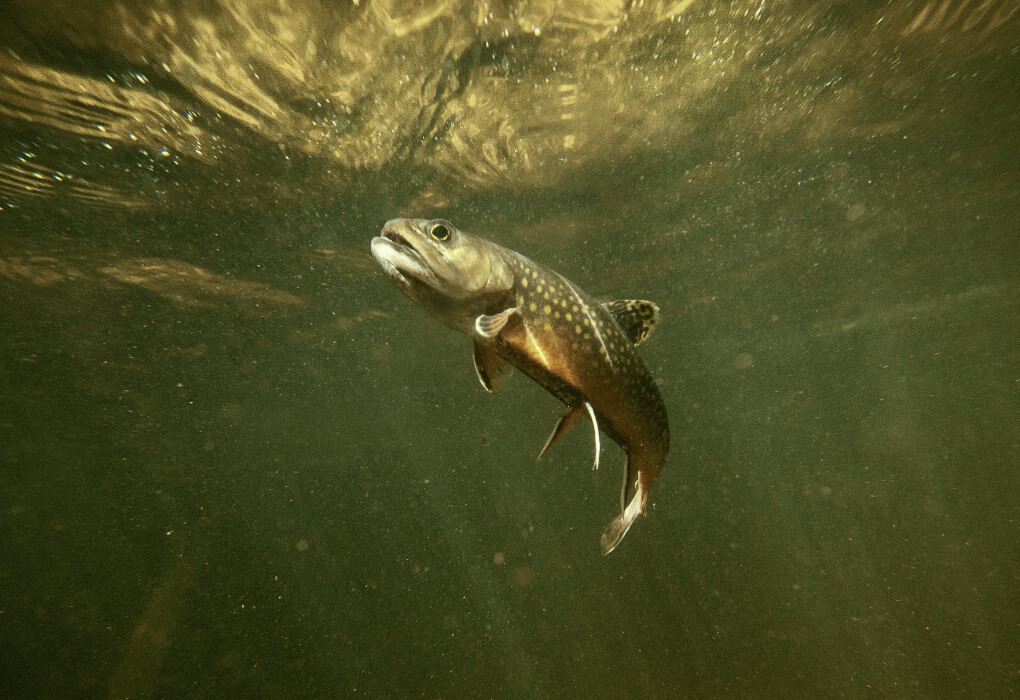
(453, 276)
(401, 263)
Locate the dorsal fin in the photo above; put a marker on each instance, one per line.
(637, 318)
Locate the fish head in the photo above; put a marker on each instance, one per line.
(453, 275)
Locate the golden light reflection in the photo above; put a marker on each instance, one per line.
(484, 95)
(195, 286)
(178, 281)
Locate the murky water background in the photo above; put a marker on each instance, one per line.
(236, 462)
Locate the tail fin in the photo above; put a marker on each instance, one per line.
(622, 522)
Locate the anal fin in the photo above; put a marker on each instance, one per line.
(595, 426)
(568, 422)
(563, 426)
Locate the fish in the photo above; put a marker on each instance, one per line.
(521, 314)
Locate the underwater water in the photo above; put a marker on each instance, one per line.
(235, 461)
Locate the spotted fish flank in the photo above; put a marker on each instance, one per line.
(522, 314)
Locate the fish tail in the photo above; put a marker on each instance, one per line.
(619, 525)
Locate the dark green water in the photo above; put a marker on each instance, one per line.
(237, 463)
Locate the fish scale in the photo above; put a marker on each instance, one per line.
(522, 314)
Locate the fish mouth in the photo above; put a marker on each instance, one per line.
(399, 259)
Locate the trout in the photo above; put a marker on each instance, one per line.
(521, 314)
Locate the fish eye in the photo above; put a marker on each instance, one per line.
(440, 230)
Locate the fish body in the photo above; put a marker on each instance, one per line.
(522, 314)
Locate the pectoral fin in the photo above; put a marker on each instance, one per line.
(619, 525)
(492, 369)
(489, 326)
(568, 422)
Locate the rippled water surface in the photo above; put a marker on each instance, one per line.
(237, 462)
